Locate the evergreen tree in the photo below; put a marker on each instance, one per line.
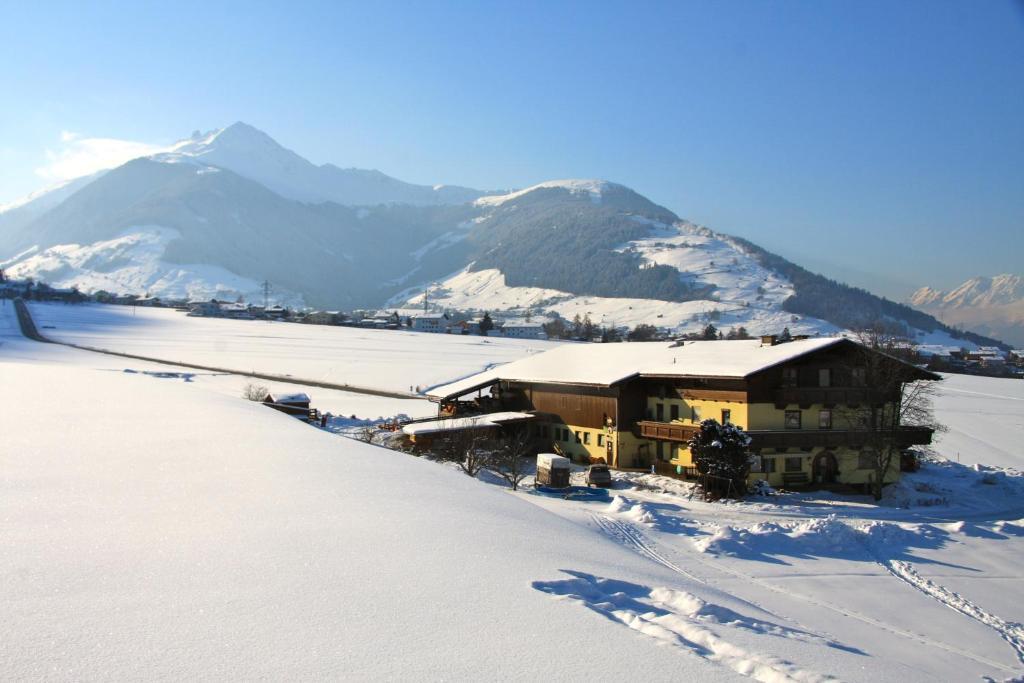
(710, 332)
(486, 324)
(588, 328)
(721, 452)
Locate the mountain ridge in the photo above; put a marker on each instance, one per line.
(235, 199)
(992, 305)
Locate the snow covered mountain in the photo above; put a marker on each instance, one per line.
(217, 213)
(990, 305)
(253, 154)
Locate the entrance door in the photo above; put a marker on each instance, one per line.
(825, 468)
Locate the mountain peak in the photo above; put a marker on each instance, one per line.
(593, 187)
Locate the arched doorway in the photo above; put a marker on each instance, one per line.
(824, 468)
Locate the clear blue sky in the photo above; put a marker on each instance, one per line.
(879, 143)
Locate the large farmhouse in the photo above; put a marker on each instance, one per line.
(636, 405)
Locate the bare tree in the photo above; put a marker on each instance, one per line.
(511, 459)
(898, 395)
(366, 433)
(255, 392)
(464, 447)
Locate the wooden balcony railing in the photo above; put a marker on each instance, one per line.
(789, 438)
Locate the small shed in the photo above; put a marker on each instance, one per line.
(290, 404)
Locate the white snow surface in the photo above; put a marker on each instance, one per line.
(186, 534)
(457, 423)
(985, 419)
(132, 263)
(162, 528)
(594, 188)
(394, 360)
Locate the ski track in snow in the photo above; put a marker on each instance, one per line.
(1011, 632)
(627, 534)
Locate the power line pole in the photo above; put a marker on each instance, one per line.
(266, 298)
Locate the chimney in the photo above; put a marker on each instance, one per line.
(769, 340)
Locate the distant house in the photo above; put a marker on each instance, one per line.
(523, 331)
(203, 308)
(235, 310)
(430, 322)
(290, 404)
(464, 327)
(1016, 358)
(275, 312)
(324, 318)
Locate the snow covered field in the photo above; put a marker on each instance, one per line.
(159, 528)
(985, 416)
(383, 359)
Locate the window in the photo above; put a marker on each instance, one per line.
(866, 460)
(794, 464)
(659, 411)
(857, 377)
(577, 437)
(793, 419)
(824, 419)
(673, 412)
(726, 416)
(586, 438)
(565, 435)
(661, 450)
(695, 413)
(824, 377)
(767, 464)
(600, 439)
(789, 377)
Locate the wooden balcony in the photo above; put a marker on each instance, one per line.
(782, 439)
(666, 431)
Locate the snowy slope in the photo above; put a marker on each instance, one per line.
(384, 359)
(593, 188)
(740, 292)
(985, 416)
(250, 545)
(133, 262)
(191, 534)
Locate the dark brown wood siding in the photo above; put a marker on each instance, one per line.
(576, 405)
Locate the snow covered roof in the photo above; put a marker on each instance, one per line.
(450, 424)
(607, 364)
(288, 398)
